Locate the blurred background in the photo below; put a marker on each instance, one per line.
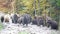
(49, 8)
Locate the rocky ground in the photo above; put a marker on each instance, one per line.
(31, 29)
(19, 29)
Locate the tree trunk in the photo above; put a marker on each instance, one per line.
(34, 7)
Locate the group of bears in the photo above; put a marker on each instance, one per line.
(27, 19)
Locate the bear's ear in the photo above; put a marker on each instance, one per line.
(11, 17)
